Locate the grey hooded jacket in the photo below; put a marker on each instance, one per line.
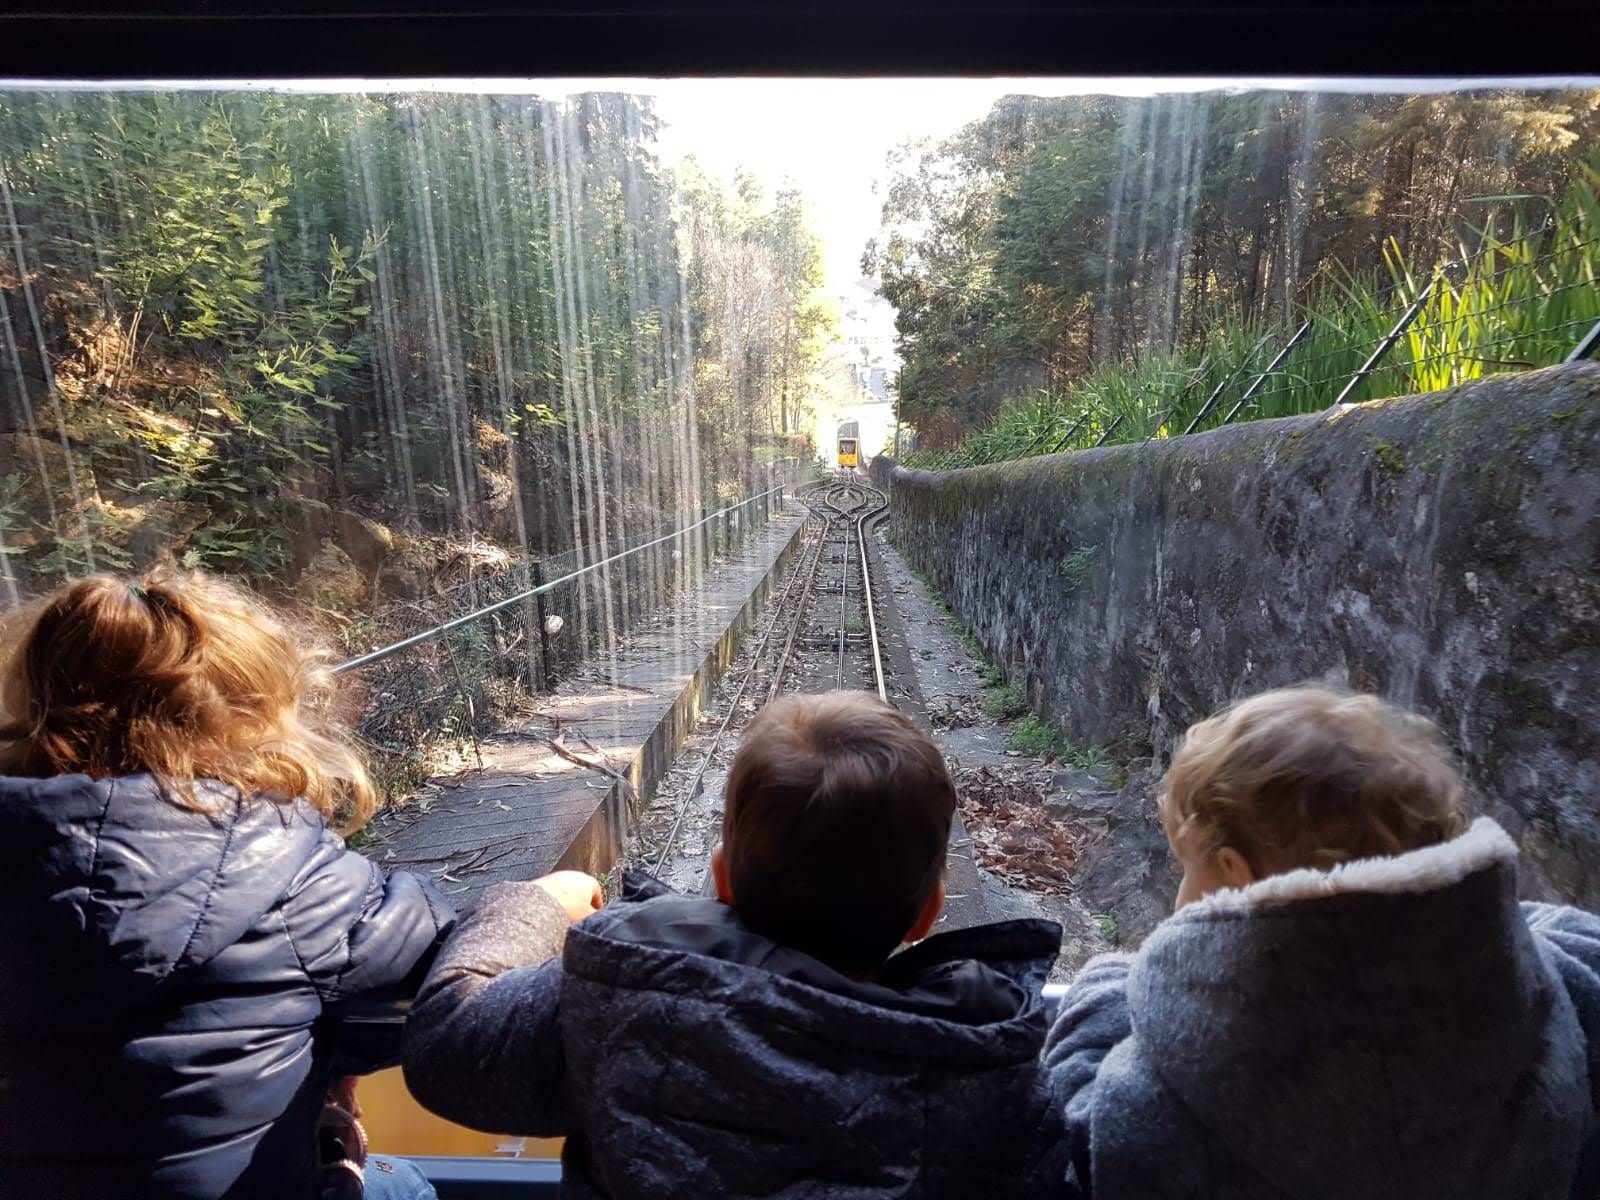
(1395, 1029)
(682, 1055)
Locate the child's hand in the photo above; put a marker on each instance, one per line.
(576, 892)
(342, 1094)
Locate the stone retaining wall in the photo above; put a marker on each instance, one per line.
(1442, 550)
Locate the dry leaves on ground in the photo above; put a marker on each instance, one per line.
(953, 712)
(1012, 833)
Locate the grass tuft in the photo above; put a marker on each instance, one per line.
(1003, 702)
(1036, 737)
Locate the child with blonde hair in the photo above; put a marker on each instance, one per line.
(1349, 1001)
(180, 926)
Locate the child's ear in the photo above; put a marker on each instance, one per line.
(719, 874)
(1235, 868)
(931, 908)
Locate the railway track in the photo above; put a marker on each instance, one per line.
(821, 634)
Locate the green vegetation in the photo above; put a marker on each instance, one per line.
(1042, 739)
(1522, 303)
(1036, 737)
(1084, 270)
(1076, 567)
(470, 316)
(1393, 458)
(1001, 701)
(989, 675)
(1093, 758)
(1107, 924)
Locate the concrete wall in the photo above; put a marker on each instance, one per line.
(1442, 550)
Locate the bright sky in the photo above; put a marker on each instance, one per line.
(831, 137)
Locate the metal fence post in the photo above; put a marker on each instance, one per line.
(1588, 348)
(1211, 400)
(546, 670)
(1071, 432)
(1271, 369)
(1110, 429)
(1387, 344)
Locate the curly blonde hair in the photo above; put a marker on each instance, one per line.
(1312, 777)
(179, 675)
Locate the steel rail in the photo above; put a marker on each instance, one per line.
(1587, 347)
(796, 619)
(844, 596)
(851, 489)
(866, 595)
(781, 670)
(865, 492)
(698, 781)
(427, 635)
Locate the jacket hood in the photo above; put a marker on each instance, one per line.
(114, 884)
(717, 1062)
(972, 992)
(1313, 1016)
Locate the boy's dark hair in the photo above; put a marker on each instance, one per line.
(834, 833)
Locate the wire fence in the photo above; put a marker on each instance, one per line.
(1517, 305)
(452, 664)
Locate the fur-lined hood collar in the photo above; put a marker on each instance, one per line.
(1482, 847)
(1302, 1016)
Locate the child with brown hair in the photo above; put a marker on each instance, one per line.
(180, 927)
(1349, 1001)
(770, 1041)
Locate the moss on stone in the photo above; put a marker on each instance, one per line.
(1077, 566)
(1392, 457)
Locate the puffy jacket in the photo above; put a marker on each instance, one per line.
(1394, 1029)
(171, 985)
(683, 1055)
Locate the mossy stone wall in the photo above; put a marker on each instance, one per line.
(1442, 550)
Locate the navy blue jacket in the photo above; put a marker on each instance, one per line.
(171, 987)
(683, 1055)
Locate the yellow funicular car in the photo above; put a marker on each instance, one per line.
(849, 436)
